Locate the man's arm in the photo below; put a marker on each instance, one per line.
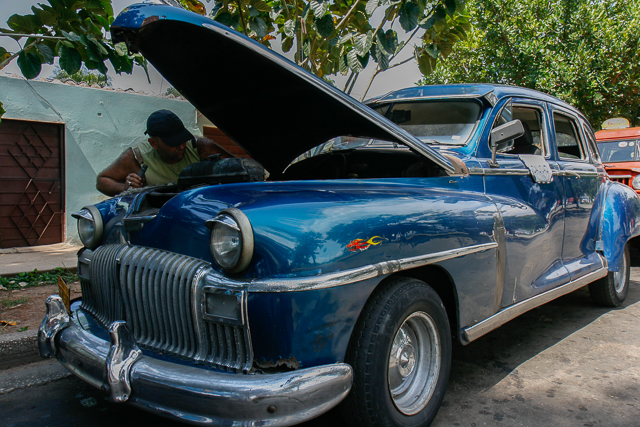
(120, 175)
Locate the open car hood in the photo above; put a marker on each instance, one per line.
(269, 106)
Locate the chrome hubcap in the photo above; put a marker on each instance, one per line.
(620, 277)
(414, 363)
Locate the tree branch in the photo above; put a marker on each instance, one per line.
(35, 36)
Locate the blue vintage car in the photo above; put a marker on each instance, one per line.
(382, 233)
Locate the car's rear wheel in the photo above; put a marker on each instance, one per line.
(401, 355)
(612, 289)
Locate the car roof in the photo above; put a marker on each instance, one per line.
(613, 134)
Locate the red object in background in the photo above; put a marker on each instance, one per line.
(620, 154)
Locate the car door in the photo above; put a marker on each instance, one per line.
(581, 181)
(532, 212)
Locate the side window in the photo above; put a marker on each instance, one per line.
(533, 140)
(591, 143)
(568, 137)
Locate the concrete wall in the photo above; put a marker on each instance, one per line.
(99, 125)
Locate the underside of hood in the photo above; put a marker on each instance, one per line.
(269, 106)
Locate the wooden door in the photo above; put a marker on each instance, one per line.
(31, 183)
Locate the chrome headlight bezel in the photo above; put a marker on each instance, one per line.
(231, 222)
(90, 217)
(635, 182)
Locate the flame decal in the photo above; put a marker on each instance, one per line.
(362, 245)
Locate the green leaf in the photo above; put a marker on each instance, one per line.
(319, 8)
(70, 59)
(261, 5)
(45, 53)
(47, 18)
(354, 63)
(362, 43)
(2, 111)
(409, 14)
(388, 41)
(71, 37)
(96, 65)
(427, 23)
(306, 48)
(121, 63)
(29, 64)
(450, 5)
(346, 39)
(433, 50)
(253, 12)
(325, 26)
(290, 28)
(440, 14)
(28, 24)
(287, 44)
(426, 63)
(121, 49)
(226, 19)
(446, 46)
(371, 6)
(380, 57)
(258, 26)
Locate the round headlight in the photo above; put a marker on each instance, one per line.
(231, 240)
(635, 183)
(90, 226)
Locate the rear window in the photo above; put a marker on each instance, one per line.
(436, 122)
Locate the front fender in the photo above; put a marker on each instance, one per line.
(619, 222)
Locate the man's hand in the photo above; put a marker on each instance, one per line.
(134, 181)
(121, 175)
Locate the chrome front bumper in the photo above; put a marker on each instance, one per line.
(187, 393)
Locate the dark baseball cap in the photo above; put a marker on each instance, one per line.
(167, 126)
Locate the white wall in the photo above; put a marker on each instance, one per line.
(99, 125)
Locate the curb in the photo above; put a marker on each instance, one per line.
(73, 269)
(18, 348)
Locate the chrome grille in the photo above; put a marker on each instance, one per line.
(622, 179)
(158, 294)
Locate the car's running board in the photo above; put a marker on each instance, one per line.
(503, 316)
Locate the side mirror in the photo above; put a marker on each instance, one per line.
(502, 137)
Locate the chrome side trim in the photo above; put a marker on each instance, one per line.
(358, 274)
(498, 171)
(476, 331)
(516, 172)
(620, 176)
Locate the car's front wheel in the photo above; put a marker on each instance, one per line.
(401, 356)
(612, 289)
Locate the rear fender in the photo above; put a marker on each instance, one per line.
(619, 222)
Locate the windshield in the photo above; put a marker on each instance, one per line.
(618, 151)
(436, 121)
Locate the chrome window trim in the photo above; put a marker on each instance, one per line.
(543, 129)
(489, 96)
(581, 138)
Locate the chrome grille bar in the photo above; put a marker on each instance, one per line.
(158, 294)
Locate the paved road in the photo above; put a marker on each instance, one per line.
(568, 363)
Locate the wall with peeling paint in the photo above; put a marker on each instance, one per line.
(99, 125)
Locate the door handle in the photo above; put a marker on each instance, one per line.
(571, 173)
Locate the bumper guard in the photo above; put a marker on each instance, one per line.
(188, 393)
